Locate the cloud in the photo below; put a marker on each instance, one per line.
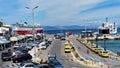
(61, 12)
(64, 11)
(100, 14)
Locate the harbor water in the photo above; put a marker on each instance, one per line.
(112, 45)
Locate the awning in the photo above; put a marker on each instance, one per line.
(13, 39)
(4, 41)
(19, 37)
(29, 35)
(16, 38)
(22, 36)
(39, 34)
(1, 43)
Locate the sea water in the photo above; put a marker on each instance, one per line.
(112, 45)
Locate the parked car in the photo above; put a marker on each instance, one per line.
(16, 46)
(30, 43)
(49, 41)
(57, 37)
(30, 64)
(1, 48)
(43, 45)
(21, 57)
(29, 47)
(103, 53)
(6, 56)
(62, 38)
(44, 66)
(54, 63)
(23, 49)
(31, 38)
(16, 52)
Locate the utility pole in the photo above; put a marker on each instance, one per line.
(33, 27)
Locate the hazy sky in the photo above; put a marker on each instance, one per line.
(60, 12)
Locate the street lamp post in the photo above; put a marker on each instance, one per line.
(97, 40)
(33, 27)
(105, 43)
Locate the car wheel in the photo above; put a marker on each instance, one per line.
(10, 59)
(16, 61)
(13, 61)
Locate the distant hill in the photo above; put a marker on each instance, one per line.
(50, 28)
(73, 27)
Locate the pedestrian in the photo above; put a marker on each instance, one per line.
(48, 56)
(88, 51)
(55, 56)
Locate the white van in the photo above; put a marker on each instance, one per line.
(43, 45)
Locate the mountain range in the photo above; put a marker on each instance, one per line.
(73, 27)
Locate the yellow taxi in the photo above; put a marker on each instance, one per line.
(104, 53)
(67, 48)
(93, 48)
(96, 50)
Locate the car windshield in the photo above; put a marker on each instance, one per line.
(29, 42)
(105, 52)
(93, 47)
(42, 45)
(17, 45)
(5, 54)
(67, 48)
(55, 62)
(22, 64)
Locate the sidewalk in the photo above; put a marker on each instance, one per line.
(41, 55)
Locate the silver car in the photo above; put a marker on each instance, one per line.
(28, 64)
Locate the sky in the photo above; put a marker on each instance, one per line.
(60, 12)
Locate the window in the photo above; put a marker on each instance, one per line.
(44, 67)
(29, 65)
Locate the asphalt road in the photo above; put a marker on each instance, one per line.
(65, 59)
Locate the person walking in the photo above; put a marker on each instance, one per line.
(48, 56)
(88, 51)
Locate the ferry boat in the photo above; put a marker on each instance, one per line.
(108, 28)
(24, 29)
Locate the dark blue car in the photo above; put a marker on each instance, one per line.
(54, 63)
(23, 49)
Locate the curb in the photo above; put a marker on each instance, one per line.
(83, 62)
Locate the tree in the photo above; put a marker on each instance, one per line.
(1, 23)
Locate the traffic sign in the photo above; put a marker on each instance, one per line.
(79, 48)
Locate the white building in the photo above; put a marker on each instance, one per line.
(4, 30)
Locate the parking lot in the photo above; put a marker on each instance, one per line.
(19, 49)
